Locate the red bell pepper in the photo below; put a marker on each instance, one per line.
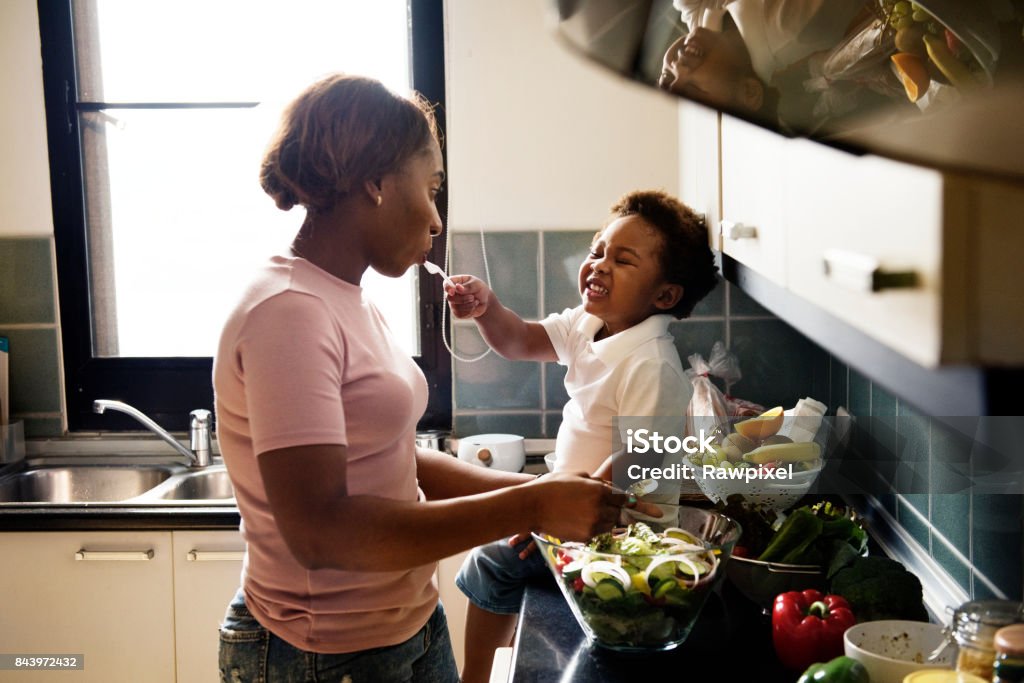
(808, 627)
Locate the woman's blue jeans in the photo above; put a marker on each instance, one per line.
(249, 653)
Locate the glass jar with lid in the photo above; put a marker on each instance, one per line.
(974, 628)
(1009, 663)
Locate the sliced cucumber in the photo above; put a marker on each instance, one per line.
(609, 589)
(677, 595)
(663, 587)
(665, 570)
(687, 570)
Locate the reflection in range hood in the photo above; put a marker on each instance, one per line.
(939, 83)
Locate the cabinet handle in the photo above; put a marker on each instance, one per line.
(738, 231)
(215, 555)
(863, 273)
(114, 555)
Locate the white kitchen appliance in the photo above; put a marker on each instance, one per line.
(506, 452)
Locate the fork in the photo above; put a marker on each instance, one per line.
(435, 269)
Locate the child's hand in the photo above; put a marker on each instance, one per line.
(519, 538)
(469, 297)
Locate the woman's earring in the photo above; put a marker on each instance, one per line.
(380, 200)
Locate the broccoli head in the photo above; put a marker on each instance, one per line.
(880, 588)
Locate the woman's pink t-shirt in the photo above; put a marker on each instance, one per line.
(305, 359)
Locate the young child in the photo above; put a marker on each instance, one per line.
(651, 263)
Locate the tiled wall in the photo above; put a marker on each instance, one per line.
(28, 317)
(975, 538)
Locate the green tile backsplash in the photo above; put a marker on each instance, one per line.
(26, 281)
(492, 383)
(28, 320)
(512, 259)
(563, 254)
(779, 365)
(35, 383)
(527, 424)
(976, 538)
(696, 336)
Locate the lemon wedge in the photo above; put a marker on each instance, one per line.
(761, 427)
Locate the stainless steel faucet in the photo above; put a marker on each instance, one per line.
(200, 421)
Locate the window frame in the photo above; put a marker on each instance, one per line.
(168, 388)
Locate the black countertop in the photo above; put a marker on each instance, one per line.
(731, 641)
(118, 518)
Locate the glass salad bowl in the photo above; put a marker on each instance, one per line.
(641, 588)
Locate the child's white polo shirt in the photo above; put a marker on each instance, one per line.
(634, 373)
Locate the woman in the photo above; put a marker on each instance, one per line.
(344, 518)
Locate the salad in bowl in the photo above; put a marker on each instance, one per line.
(641, 588)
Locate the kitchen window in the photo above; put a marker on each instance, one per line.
(157, 116)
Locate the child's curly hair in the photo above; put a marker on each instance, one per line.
(686, 258)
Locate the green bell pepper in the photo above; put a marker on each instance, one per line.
(839, 670)
(801, 528)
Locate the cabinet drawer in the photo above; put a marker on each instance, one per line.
(864, 242)
(753, 160)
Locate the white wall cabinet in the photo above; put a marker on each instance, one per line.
(752, 221)
(699, 163)
(923, 261)
(864, 242)
(140, 606)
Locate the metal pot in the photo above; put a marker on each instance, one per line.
(506, 452)
(434, 439)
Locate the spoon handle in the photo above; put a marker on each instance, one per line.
(436, 270)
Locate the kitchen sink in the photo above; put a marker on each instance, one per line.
(80, 484)
(115, 481)
(212, 484)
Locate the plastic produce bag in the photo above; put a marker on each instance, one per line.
(708, 409)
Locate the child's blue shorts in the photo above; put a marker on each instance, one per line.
(494, 578)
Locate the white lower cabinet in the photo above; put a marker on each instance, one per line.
(454, 602)
(207, 572)
(138, 605)
(105, 595)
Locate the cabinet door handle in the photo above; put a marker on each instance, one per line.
(114, 555)
(215, 555)
(863, 273)
(738, 231)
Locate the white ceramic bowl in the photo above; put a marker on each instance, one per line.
(891, 649)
